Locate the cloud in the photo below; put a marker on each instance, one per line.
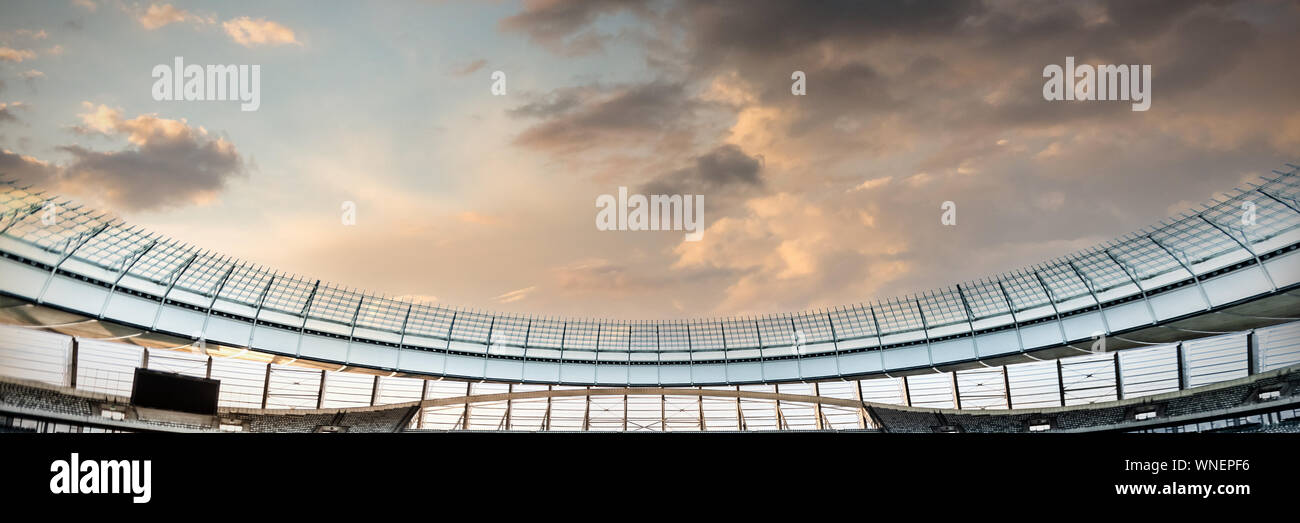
(561, 25)
(167, 163)
(250, 32)
(470, 67)
(7, 113)
(161, 15)
(31, 74)
(514, 295)
(9, 54)
(23, 168)
(578, 118)
(873, 183)
(722, 170)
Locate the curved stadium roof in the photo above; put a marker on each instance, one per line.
(93, 264)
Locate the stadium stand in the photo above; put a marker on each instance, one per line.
(1175, 408)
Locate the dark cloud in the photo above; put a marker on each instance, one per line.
(723, 170)
(7, 112)
(25, 169)
(723, 32)
(562, 25)
(167, 163)
(579, 118)
(931, 102)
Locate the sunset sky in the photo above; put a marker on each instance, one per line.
(483, 201)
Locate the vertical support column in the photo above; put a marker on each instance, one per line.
(586, 413)
(625, 413)
(320, 392)
(72, 363)
(862, 408)
(208, 372)
(740, 413)
(1252, 353)
(144, 358)
(1119, 379)
(510, 390)
(1060, 381)
(700, 406)
(907, 393)
(374, 391)
(1182, 366)
(1006, 386)
(266, 385)
(663, 416)
(546, 418)
(956, 391)
(464, 423)
(780, 418)
(424, 394)
(817, 407)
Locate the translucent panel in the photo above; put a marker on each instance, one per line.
(815, 327)
(1211, 360)
(289, 295)
(898, 315)
(852, 322)
(706, 335)
(246, 285)
(107, 367)
(346, 389)
(1144, 257)
(1279, 346)
(1062, 281)
(775, 330)
(160, 264)
(204, 274)
(293, 388)
(396, 389)
(382, 314)
(510, 330)
(1034, 385)
(931, 390)
(1101, 270)
(34, 355)
(1025, 290)
(547, 333)
(1089, 379)
(982, 388)
(472, 326)
(883, 390)
(241, 382)
(943, 307)
(335, 304)
(178, 362)
(985, 298)
(740, 333)
(581, 335)
(430, 321)
(1193, 238)
(1149, 371)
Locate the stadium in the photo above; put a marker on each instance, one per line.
(1189, 325)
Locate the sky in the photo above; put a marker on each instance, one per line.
(468, 198)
